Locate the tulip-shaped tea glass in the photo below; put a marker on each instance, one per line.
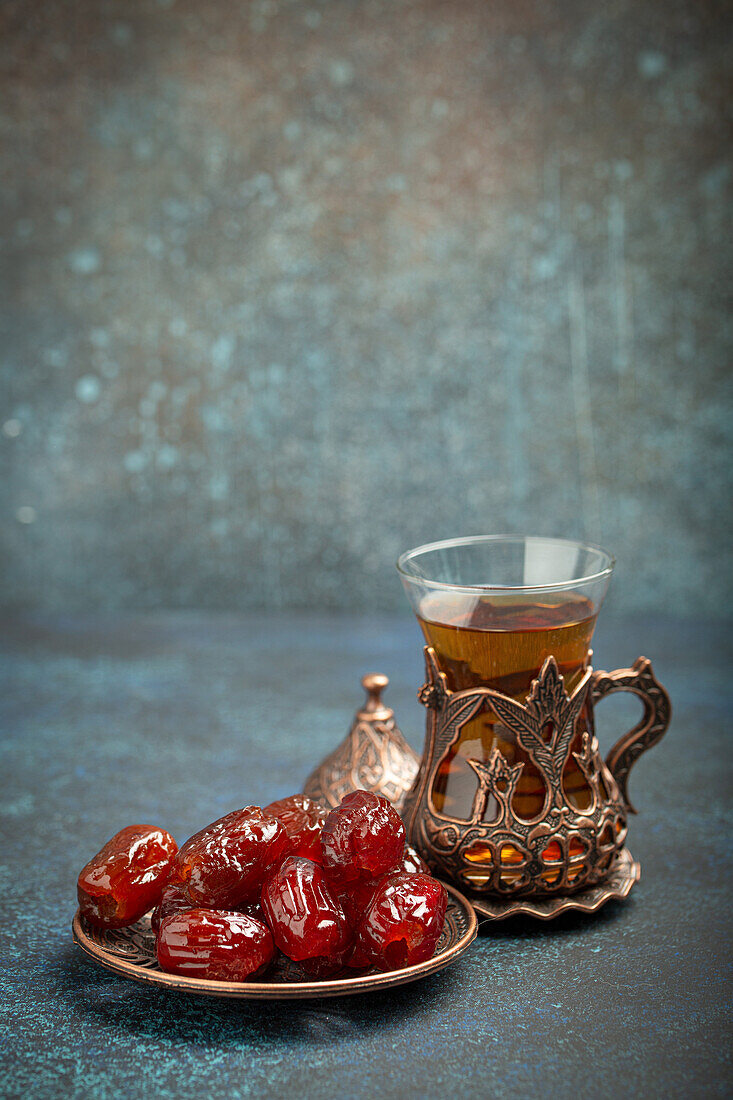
(513, 797)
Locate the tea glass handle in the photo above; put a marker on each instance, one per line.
(640, 680)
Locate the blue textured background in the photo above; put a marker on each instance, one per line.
(293, 286)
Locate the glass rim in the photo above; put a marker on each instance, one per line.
(468, 540)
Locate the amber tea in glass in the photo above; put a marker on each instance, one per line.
(494, 608)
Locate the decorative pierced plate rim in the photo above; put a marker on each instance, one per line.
(624, 874)
(457, 943)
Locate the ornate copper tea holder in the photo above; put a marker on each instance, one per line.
(568, 856)
(567, 847)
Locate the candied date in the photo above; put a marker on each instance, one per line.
(302, 819)
(307, 921)
(403, 923)
(127, 877)
(223, 866)
(362, 838)
(213, 944)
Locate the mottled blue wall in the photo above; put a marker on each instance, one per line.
(292, 286)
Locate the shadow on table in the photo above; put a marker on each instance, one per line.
(572, 923)
(150, 1013)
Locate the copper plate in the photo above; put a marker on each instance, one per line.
(130, 952)
(625, 872)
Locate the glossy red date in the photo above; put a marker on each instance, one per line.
(403, 923)
(223, 866)
(127, 877)
(307, 921)
(216, 945)
(361, 839)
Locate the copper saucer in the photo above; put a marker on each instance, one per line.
(625, 872)
(130, 952)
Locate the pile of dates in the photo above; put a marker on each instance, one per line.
(335, 892)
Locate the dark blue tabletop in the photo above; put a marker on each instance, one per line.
(175, 719)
